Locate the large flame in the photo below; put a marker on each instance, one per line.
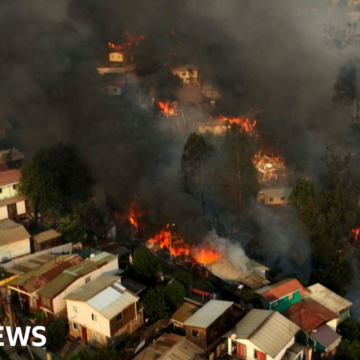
(206, 256)
(167, 108)
(130, 41)
(246, 124)
(135, 212)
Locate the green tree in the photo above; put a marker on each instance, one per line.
(350, 330)
(56, 332)
(156, 306)
(145, 262)
(238, 182)
(71, 229)
(55, 179)
(184, 278)
(175, 293)
(92, 219)
(348, 350)
(327, 211)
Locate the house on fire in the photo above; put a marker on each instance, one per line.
(103, 311)
(281, 296)
(12, 205)
(209, 324)
(188, 74)
(318, 325)
(215, 127)
(116, 57)
(14, 240)
(45, 287)
(275, 195)
(263, 335)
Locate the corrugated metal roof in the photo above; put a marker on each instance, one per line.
(277, 192)
(9, 177)
(184, 312)
(326, 336)
(327, 298)
(208, 313)
(277, 291)
(11, 232)
(46, 235)
(266, 329)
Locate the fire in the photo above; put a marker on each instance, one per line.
(135, 212)
(130, 41)
(167, 108)
(206, 256)
(356, 233)
(246, 124)
(165, 239)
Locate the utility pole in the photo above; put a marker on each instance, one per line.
(170, 238)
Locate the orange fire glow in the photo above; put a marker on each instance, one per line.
(167, 108)
(130, 41)
(206, 256)
(246, 124)
(135, 212)
(356, 233)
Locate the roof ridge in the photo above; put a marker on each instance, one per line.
(262, 324)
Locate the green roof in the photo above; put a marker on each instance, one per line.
(62, 281)
(38, 270)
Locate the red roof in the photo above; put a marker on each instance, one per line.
(281, 289)
(9, 177)
(309, 315)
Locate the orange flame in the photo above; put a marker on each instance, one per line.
(206, 256)
(130, 41)
(135, 212)
(245, 123)
(356, 233)
(167, 108)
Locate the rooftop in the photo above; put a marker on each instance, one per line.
(106, 295)
(205, 316)
(309, 315)
(30, 264)
(61, 282)
(9, 177)
(12, 200)
(327, 337)
(11, 232)
(267, 329)
(10, 155)
(184, 312)
(327, 298)
(277, 291)
(46, 235)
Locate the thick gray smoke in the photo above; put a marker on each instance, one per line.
(268, 55)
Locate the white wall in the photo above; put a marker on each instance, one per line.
(4, 213)
(21, 207)
(8, 191)
(82, 316)
(116, 57)
(16, 249)
(250, 348)
(108, 269)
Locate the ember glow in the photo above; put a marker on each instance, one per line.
(246, 124)
(130, 42)
(135, 212)
(167, 108)
(356, 233)
(270, 168)
(206, 255)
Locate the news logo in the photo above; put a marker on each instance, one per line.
(23, 337)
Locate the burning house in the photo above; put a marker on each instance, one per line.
(168, 108)
(188, 74)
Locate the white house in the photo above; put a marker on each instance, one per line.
(9, 183)
(275, 195)
(103, 311)
(262, 335)
(187, 74)
(14, 240)
(116, 56)
(214, 127)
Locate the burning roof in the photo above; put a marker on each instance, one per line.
(168, 108)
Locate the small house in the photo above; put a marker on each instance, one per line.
(215, 127)
(46, 240)
(188, 74)
(103, 311)
(116, 57)
(183, 313)
(275, 195)
(9, 183)
(262, 335)
(280, 296)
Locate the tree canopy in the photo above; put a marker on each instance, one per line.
(156, 306)
(56, 332)
(55, 179)
(175, 293)
(145, 262)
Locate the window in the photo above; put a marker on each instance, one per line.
(75, 308)
(0, 190)
(259, 355)
(119, 317)
(275, 304)
(14, 187)
(195, 334)
(75, 326)
(87, 279)
(282, 198)
(291, 296)
(271, 199)
(93, 317)
(46, 303)
(12, 210)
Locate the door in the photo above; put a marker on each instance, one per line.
(84, 334)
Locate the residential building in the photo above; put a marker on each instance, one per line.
(215, 127)
(280, 296)
(275, 195)
(46, 240)
(9, 183)
(45, 287)
(183, 313)
(14, 240)
(188, 74)
(318, 325)
(116, 57)
(10, 159)
(171, 347)
(208, 325)
(103, 311)
(330, 300)
(262, 335)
